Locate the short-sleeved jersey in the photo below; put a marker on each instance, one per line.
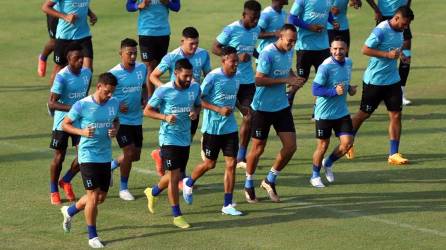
(330, 74)
(383, 71)
(389, 7)
(170, 100)
(219, 90)
(270, 21)
(80, 28)
(154, 19)
(341, 18)
(201, 63)
(71, 88)
(312, 12)
(89, 113)
(274, 64)
(129, 91)
(244, 40)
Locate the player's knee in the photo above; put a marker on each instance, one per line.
(101, 198)
(59, 157)
(208, 165)
(136, 156)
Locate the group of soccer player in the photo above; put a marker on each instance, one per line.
(317, 29)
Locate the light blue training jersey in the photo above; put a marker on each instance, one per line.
(270, 21)
(244, 40)
(330, 74)
(383, 71)
(170, 100)
(312, 12)
(341, 18)
(88, 112)
(154, 19)
(274, 64)
(389, 7)
(219, 90)
(129, 91)
(70, 88)
(80, 28)
(201, 63)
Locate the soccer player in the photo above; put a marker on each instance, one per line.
(330, 86)
(218, 98)
(131, 93)
(153, 30)
(70, 85)
(72, 27)
(201, 64)
(385, 10)
(242, 35)
(272, 18)
(271, 108)
(97, 116)
(175, 103)
(381, 78)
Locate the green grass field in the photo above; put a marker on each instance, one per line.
(371, 206)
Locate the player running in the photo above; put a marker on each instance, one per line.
(272, 18)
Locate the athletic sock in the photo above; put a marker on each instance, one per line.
(272, 175)
(68, 176)
(330, 160)
(92, 232)
(228, 199)
(176, 211)
(114, 164)
(394, 145)
(54, 187)
(190, 182)
(241, 154)
(72, 210)
(156, 190)
(249, 183)
(124, 183)
(316, 171)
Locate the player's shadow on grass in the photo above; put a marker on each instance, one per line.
(30, 136)
(22, 88)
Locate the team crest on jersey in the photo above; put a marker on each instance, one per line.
(111, 111)
(191, 96)
(139, 75)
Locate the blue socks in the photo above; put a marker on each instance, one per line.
(316, 171)
(124, 183)
(394, 145)
(54, 187)
(190, 182)
(176, 211)
(68, 176)
(114, 165)
(272, 175)
(228, 199)
(249, 183)
(92, 232)
(72, 210)
(241, 154)
(330, 160)
(156, 190)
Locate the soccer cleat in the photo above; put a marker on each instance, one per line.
(187, 192)
(180, 222)
(68, 189)
(50, 111)
(250, 195)
(126, 195)
(241, 164)
(41, 67)
(95, 243)
(317, 182)
(270, 189)
(397, 159)
(328, 172)
(350, 153)
(66, 224)
(230, 210)
(151, 200)
(406, 102)
(55, 198)
(158, 162)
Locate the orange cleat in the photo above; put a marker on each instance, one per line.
(41, 67)
(68, 189)
(158, 162)
(397, 159)
(55, 198)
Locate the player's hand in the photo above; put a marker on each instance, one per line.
(340, 89)
(165, 2)
(352, 90)
(335, 11)
(336, 25)
(316, 28)
(393, 54)
(193, 115)
(170, 119)
(378, 16)
(225, 111)
(88, 131)
(123, 108)
(355, 4)
(93, 18)
(296, 81)
(244, 57)
(112, 132)
(144, 4)
(70, 18)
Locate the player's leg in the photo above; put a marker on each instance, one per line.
(229, 148)
(404, 66)
(49, 46)
(59, 142)
(323, 133)
(244, 99)
(87, 51)
(65, 181)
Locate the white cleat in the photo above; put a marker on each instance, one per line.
(66, 224)
(95, 243)
(230, 210)
(241, 164)
(317, 182)
(406, 102)
(126, 195)
(328, 172)
(187, 192)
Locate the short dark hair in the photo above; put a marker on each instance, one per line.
(128, 42)
(183, 64)
(339, 39)
(190, 32)
(406, 12)
(227, 50)
(108, 78)
(288, 26)
(73, 47)
(252, 5)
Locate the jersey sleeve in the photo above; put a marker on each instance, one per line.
(264, 20)
(58, 85)
(264, 63)
(165, 63)
(321, 77)
(225, 36)
(375, 38)
(156, 99)
(207, 86)
(75, 111)
(298, 8)
(207, 63)
(197, 102)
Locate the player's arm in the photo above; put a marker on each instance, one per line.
(217, 48)
(393, 54)
(173, 5)
(113, 131)
(155, 77)
(48, 8)
(378, 14)
(54, 104)
(144, 95)
(67, 126)
(92, 16)
(153, 113)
